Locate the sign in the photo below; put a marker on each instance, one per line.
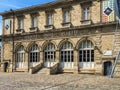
(108, 11)
(117, 9)
(107, 52)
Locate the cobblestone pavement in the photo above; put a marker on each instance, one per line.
(25, 81)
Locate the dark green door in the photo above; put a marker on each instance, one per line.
(107, 68)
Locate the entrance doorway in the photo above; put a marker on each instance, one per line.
(107, 68)
(6, 67)
(86, 55)
(66, 56)
(49, 55)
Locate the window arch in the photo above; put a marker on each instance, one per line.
(20, 57)
(34, 54)
(66, 52)
(49, 54)
(86, 54)
(86, 44)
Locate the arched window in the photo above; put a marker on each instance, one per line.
(86, 54)
(20, 57)
(66, 55)
(49, 55)
(34, 55)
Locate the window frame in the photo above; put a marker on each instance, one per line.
(20, 56)
(66, 16)
(34, 54)
(49, 53)
(20, 21)
(86, 13)
(83, 51)
(34, 23)
(67, 52)
(49, 18)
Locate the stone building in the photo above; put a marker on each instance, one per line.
(74, 36)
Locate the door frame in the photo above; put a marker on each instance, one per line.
(107, 65)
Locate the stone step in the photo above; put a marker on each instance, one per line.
(44, 71)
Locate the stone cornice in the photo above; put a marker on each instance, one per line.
(87, 27)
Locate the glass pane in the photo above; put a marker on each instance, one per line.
(80, 56)
(92, 55)
(61, 58)
(84, 56)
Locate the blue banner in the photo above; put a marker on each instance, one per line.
(117, 9)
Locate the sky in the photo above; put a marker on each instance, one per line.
(6, 5)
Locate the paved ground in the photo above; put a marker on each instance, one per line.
(23, 81)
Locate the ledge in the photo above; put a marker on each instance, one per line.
(108, 57)
(66, 24)
(49, 26)
(86, 22)
(19, 30)
(33, 29)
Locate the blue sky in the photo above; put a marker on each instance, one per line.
(6, 5)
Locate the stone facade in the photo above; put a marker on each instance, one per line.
(102, 35)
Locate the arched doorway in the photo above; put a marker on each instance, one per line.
(20, 57)
(34, 56)
(86, 55)
(66, 55)
(49, 55)
(107, 68)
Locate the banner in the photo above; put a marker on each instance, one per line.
(117, 9)
(108, 11)
(7, 26)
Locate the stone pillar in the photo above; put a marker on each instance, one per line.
(2, 67)
(10, 66)
(98, 55)
(57, 59)
(26, 62)
(75, 62)
(42, 57)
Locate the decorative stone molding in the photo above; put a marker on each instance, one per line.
(85, 38)
(47, 42)
(63, 41)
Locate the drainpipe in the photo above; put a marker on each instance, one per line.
(100, 11)
(12, 33)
